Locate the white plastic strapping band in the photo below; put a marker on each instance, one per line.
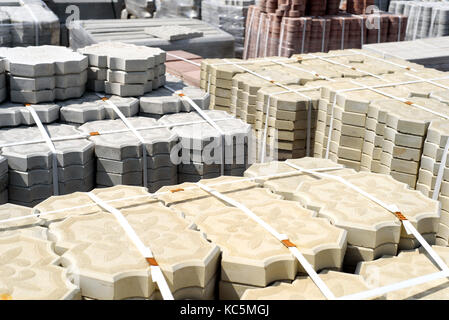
(408, 226)
(267, 31)
(248, 35)
(208, 119)
(343, 34)
(136, 133)
(50, 145)
(281, 39)
(36, 21)
(256, 53)
(156, 273)
(304, 30)
(153, 195)
(281, 237)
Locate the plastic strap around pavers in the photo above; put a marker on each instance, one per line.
(408, 226)
(281, 237)
(309, 120)
(316, 74)
(258, 35)
(248, 36)
(303, 44)
(50, 145)
(281, 39)
(97, 133)
(184, 59)
(383, 60)
(36, 21)
(205, 117)
(156, 272)
(267, 30)
(135, 132)
(374, 88)
(153, 195)
(347, 66)
(399, 28)
(323, 36)
(343, 27)
(418, 16)
(439, 181)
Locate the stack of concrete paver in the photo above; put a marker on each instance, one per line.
(4, 179)
(163, 101)
(382, 272)
(429, 52)
(31, 165)
(214, 44)
(28, 23)
(202, 149)
(351, 210)
(124, 69)
(284, 27)
(44, 73)
(426, 18)
(91, 108)
(432, 156)
(230, 16)
(226, 246)
(120, 155)
(251, 257)
(103, 261)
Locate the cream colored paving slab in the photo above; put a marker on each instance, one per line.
(286, 186)
(303, 288)
(407, 265)
(250, 254)
(368, 224)
(29, 270)
(108, 263)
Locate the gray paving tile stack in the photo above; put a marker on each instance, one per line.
(44, 73)
(120, 156)
(30, 165)
(91, 108)
(214, 44)
(425, 18)
(163, 101)
(230, 16)
(31, 23)
(201, 152)
(124, 69)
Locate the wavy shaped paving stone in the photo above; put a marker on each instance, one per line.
(288, 185)
(43, 61)
(123, 56)
(303, 288)
(15, 114)
(368, 224)
(108, 263)
(250, 254)
(28, 226)
(30, 271)
(407, 265)
(122, 145)
(91, 108)
(38, 155)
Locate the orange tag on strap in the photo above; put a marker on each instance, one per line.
(27, 105)
(408, 102)
(176, 190)
(181, 94)
(288, 243)
(152, 262)
(5, 296)
(104, 99)
(95, 133)
(400, 216)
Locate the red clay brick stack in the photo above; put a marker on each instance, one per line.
(286, 27)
